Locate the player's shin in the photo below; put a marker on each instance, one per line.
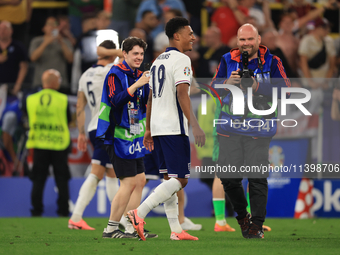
(86, 193)
(112, 187)
(171, 210)
(162, 193)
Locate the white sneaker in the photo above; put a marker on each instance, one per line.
(189, 225)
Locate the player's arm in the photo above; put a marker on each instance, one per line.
(119, 96)
(103, 52)
(81, 103)
(185, 103)
(194, 88)
(148, 141)
(196, 129)
(184, 99)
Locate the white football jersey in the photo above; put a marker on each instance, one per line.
(167, 71)
(91, 84)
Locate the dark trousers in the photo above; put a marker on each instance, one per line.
(236, 151)
(42, 159)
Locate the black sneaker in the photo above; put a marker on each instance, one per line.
(245, 224)
(147, 234)
(117, 234)
(255, 231)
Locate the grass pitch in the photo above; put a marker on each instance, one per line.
(51, 236)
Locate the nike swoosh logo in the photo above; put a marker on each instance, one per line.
(134, 219)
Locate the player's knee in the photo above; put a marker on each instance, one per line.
(183, 181)
(110, 173)
(166, 176)
(140, 181)
(98, 170)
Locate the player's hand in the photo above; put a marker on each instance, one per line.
(199, 135)
(148, 141)
(144, 79)
(82, 142)
(234, 78)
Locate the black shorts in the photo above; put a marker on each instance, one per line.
(125, 167)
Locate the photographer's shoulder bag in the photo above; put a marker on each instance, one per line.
(319, 59)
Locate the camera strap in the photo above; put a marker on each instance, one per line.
(260, 65)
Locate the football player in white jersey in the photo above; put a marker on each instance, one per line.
(168, 115)
(90, 92)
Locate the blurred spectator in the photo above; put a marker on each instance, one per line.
(335, 110)
(300, 23)
(49, 136)
(317, 54)
(89, 22)
(123, 16)
(194, 8)
(210, 54)
(254, 12)
(161, 41)
(158, 7)
(229, 18)
(148, 22)
(64, 29)
(18, 12)
(9, 122)
(51, 51)
(269, 38)
(301, 7)
(103, 20)
(139, 33)
(77, 9)
(85, 53)
(13, 59)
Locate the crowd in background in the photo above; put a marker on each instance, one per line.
(34, 40)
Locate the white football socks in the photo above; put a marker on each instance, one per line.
(171, 210)
(86, 193)
(163, 192)
(112, 226)
(123, 221)
(112, 187)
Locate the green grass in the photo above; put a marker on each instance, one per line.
(51, 236)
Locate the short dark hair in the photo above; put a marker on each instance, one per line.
(131, 42)
(175, 12)
(146, 13)
(108, 44)
(174, 25)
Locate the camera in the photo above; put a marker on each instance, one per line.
(246, 74)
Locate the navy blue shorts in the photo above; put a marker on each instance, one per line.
(151, 164)
(100, 156)
(173, 152)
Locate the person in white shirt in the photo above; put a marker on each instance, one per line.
(168, 115)
(90, 93)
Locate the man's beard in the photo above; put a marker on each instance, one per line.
(251, 53)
